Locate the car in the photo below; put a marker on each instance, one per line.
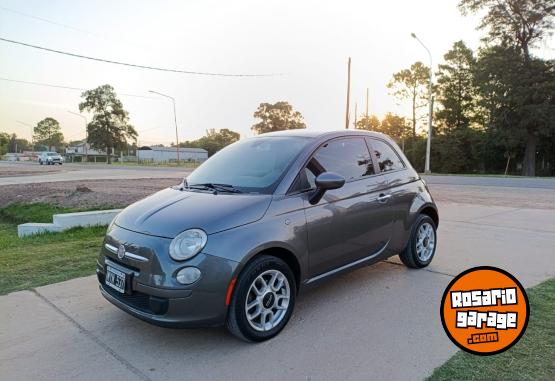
(50, 158)
(261, 220)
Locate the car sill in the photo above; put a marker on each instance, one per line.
(347, 266)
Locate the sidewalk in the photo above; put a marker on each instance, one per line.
(379, 322)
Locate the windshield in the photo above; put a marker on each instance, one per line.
(250, 165)
(52, 154)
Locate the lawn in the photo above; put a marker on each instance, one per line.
(47, 258)
(532, 358)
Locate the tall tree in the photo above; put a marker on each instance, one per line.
(49, 133)
(412, 84)
(520, 101)
(456, 92)
(109, 127)
(520, 23)
(368, 123)
(277, 117)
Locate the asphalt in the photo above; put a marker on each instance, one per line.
(379, 322)
(76, 172)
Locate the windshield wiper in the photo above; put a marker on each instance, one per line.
(215, 186)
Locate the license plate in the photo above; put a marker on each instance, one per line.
(115, 279)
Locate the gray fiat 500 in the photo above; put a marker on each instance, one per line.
(260, 220)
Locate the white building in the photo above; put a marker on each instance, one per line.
(169, 154)
(81, 149)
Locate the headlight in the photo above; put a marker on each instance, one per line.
(187, 244)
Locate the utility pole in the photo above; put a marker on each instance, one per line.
(175, 120)
(86, 134)
(431, 107)
(355, 123)
(366, 102)
(348, 93)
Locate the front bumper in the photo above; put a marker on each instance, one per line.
(153, 294)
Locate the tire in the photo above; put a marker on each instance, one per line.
(40, 162)
(418, 256)
(238, 323)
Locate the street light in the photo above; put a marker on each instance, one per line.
(86, 134)
(175, 120)
(430, 103)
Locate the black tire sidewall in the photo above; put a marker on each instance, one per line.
(249, 274)
(421, 220)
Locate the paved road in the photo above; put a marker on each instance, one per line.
(515, 182)
(379, 322)
(28, 173)
(34, 173)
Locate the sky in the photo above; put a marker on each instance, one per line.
(306, 42)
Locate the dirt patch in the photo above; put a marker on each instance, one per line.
(92, 193)
(120, 193)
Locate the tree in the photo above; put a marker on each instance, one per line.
(214, 140)
(109, 128)
(519, 99)
(4, 142)
(277, 117)
(412, 84)
(456, 92)
(49, 133)
(521, 24)
(395, 126)
(368, 123)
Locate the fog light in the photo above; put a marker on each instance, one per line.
(188, 275)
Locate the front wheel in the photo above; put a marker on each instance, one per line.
(263, 299)
(422, 244)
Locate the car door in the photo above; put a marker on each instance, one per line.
(401, 186)
(352, 222)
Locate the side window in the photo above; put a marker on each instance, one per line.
(388, 160)
(347, 157)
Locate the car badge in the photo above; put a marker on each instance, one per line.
(121, 251)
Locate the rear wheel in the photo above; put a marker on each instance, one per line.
(263, 299)
(422, 244)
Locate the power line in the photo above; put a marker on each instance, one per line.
(68, 87)
(136, 65)
(50, 21)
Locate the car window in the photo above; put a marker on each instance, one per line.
(347, 157)
(250, 165)
(388, 160)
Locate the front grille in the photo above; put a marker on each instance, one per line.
(140, 301)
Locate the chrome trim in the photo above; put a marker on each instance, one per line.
(129, 255)
(348, 265)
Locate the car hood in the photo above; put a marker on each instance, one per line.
(171, 211)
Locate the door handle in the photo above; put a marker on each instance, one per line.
(383, 198)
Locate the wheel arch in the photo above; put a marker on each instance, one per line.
(285, 254)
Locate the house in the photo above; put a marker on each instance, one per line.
(83, 152)
(169, 154)
(81, 149)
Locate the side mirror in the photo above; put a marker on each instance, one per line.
(324, 182)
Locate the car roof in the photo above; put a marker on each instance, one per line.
(322, 134)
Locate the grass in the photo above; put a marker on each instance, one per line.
(46, 258)
(532, 358)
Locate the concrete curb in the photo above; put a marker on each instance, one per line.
(66, 221)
